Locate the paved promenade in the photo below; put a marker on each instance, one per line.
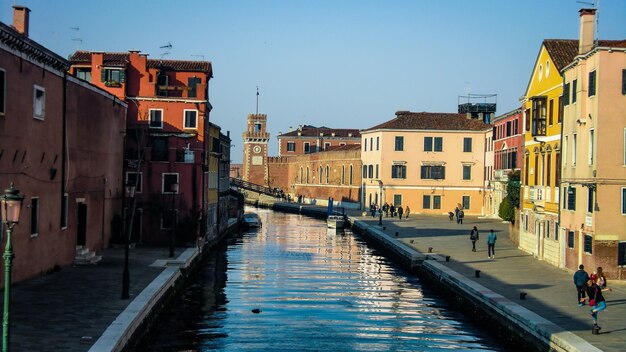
(550, 290)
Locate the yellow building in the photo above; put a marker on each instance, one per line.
(213, 157)
(543, 112)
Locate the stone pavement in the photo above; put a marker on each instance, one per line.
(69, 309)
(550, 290)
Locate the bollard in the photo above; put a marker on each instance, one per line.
(430, 249)
(477, 273)
(396, 233)
(522, 295)
(595, 330)
(411, 241)
(447, 258)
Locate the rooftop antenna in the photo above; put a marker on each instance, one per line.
(168, 47)
(257, 100)
(596, 5)
(77, 38)
(197, 55)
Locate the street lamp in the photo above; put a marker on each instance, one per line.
(174, 189)
(11, 206)
(130, 191)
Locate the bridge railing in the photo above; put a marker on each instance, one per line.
(252, 186)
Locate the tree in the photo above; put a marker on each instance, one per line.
(513, 188)
(507, 210)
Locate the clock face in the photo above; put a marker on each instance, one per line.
(256, 149)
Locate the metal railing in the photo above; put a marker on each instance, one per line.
(253, 187)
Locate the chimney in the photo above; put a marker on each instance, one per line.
(585, 41)
(20, 19)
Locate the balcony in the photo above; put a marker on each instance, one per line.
(539, 112)
(536, 193)
(538, 127)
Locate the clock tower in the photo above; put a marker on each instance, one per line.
(255, 149)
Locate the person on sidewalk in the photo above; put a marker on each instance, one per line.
(474, 238)
(596, 301)
(451, 215)
(456, 214)
(491, 244)
(461, 216)
(408, 211)
(386, 209)
(392, 210)
(400, 212)
(580, 279)
(600, 280)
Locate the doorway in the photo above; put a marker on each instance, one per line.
(81, 230)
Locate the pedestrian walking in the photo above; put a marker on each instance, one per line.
(580, 279)
(491, 244)
(386, 209)
(599, 278)
(461, 216)
(596, 301)
(474, 237)
(400, 212)
(456, 214)
(407, 212)
(392, 210)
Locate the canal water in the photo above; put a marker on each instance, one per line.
(316, 290)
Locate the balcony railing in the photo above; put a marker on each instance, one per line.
(538, 127)
(536, 193)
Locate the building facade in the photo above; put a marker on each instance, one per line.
(593, 187)
(508, 149)
(255, 152)
(168, 111)
(432, 162)
(62, 141)
(543, 116)
(310, 139)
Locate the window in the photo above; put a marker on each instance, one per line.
(467, 145)
(257, 127)
(34, 216)
(399, 143)
(588, 244)
(350, 179)
(397, 200)
(160, 149)
(3, 90)
(364, 171)
(168, 182)
(565, 147)
(551, 112)
(343, 174)
(592, 84)
(156, 118)
(527, 119)
(319, 176)
(467, 172)
(623, 200)
(291, 146)
(370, 170)
(377, 171)
(539, 116)
(621, 253)
(162, 84)
(536, 170)
(365, 149)
(466, 202)
(398, 171)
(191, 119)
(548, 227)
(591, 146)
(508, 129)
(624, 81)
(64, 209)
(548, 169)
(371, 143)
(590, 200)
(192, 86)
(559, 116)
(112, 77)
(39, 102)
(433, 172)
(307, 147)
(436, 202)
(428, 144)
(571, 198)
(131, 179)
(377, 143)
(438, 144)
(570, 239)
(557, 169)
(574, 150)
(83, 73)
(326, 145)
(301, 174)
(426, 202)
(307, 174)
(566, 94)
(327, 174)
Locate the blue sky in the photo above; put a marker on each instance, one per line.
(338, 63)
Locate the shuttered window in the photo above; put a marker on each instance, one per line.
(428, 144)
(426, 202)
(566, 94)
(574, 84)
(571, 198)
(592, 84)
(624, 81)
(588, 244)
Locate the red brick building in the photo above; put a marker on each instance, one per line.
(255, 152)
(62, 146)
(168, 111)
(310, 139)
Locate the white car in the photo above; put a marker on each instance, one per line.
(251, 220)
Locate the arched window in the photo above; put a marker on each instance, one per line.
(327, 174)
(364, 171)
(307, 174)
(301, 175)
(371, 171)
(350, 179)
(320, 175)
(343, 174)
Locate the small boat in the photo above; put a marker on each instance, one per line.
(251, 220)
(335, 221)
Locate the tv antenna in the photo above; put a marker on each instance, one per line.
(198, 55)
(596, 6)
(167, 47)
(77, 37)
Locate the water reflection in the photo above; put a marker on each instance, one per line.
(316, 290)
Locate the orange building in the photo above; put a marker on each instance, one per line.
(168, 112)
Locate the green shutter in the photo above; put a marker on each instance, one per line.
(624, 81)
(592, 84)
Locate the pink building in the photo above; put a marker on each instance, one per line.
(508, 144)
(67, 167)
(310, 139)
(166, 148)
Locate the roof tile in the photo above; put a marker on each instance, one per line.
(407, 120)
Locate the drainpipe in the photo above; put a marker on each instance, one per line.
(64, 146)
(562, 237)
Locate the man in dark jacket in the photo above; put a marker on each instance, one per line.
(580, 281)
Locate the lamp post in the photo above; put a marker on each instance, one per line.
(130, 191)
(11, 206)
(174, 188)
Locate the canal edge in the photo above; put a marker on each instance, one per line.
(514, 322)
